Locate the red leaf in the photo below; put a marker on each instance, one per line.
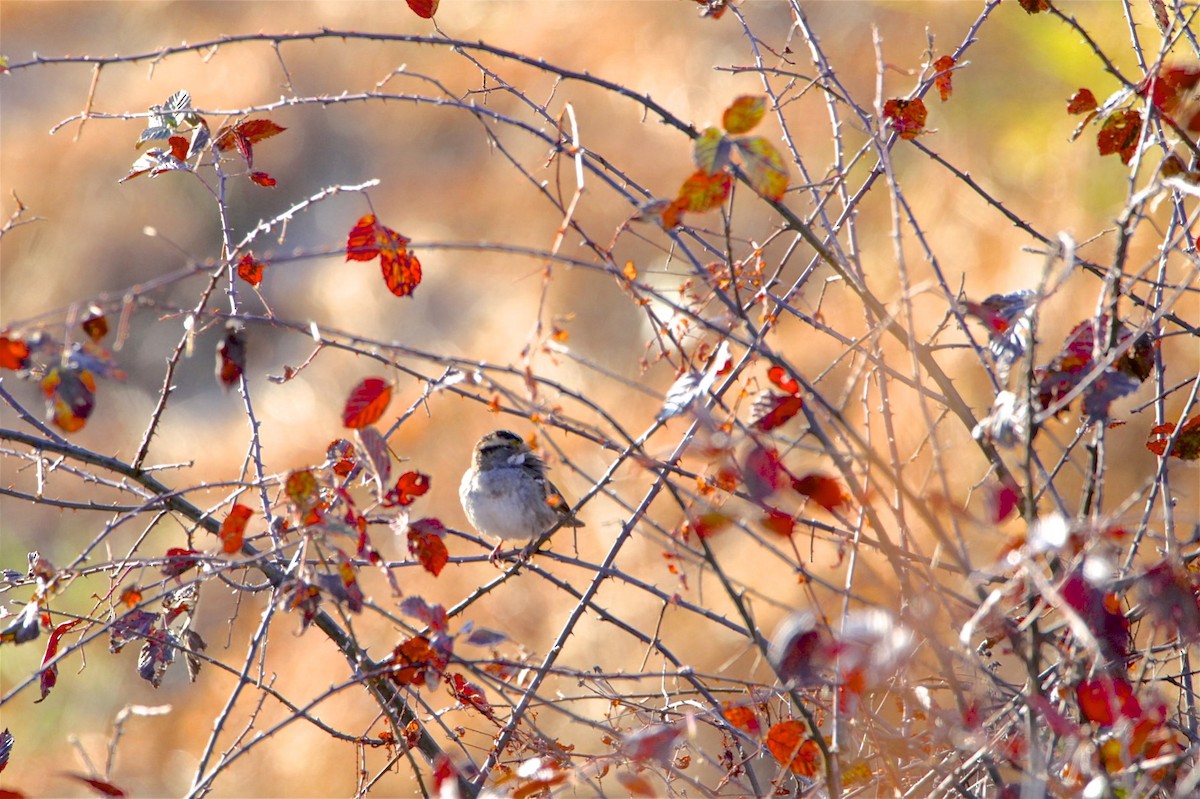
(14, 353)
(1106, 699)
(180, 560)
(179, 147)
(772, 410)
(425, 542)
(1003, 501)
(1082, 102)
(263, 179)
(1035, 6)
(823, 490)
(778, 376)
(408, 487)
(250, 270)
(1173, 92)
(99, 786)
(424, 8)
(49, 674)
(401, 272)
(1120, 134)
(942, 81)
(231, 356)
(1187, 443)
(907, 116)
(361, 244)
(367, 403)
(1101, 615)
(233, 529)
(790, 745)
(245, 133)
(469, 694)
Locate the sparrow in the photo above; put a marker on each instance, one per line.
(506, 495)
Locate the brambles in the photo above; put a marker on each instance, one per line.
(764, 401)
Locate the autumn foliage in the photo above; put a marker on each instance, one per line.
(875, 383)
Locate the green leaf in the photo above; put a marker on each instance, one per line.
(710, 152)
(764, 166)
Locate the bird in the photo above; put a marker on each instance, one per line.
(506, 495)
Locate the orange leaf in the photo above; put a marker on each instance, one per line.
(629, 271)
(14, 353)
(942, 81)
(1082, 102)
(233, 528)
(907, 116)
(1187, 443)
(424, 8)
(401, 271)
(703, 192)
(742, 718)
(131, 596)
(778, 522)
(825, 491)
(425, 542)
(672, 214)
(744, 113)
(263, 179)
(367, 402)
(788, 743)
(412, 659)
(1120, 134)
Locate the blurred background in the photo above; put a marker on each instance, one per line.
(446, 183)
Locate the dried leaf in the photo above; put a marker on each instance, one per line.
(907, 116)
(943, 80)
